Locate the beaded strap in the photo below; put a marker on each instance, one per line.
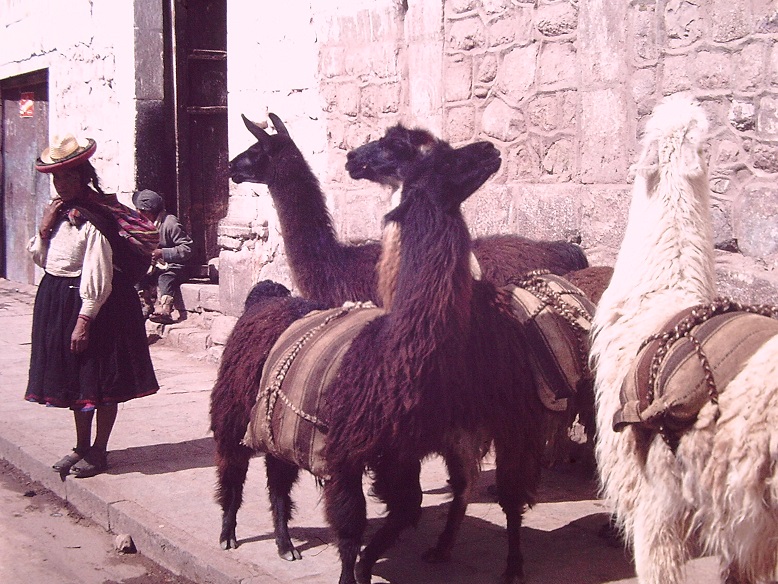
(698, 315)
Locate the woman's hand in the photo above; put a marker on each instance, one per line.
(80, 337)
(51, 215)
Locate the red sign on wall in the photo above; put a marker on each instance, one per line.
(27, 105)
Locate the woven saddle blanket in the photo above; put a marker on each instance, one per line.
(693, 357)
(286, 420)
(557, 317)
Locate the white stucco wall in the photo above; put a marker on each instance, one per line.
(87, 47)
(272, 66)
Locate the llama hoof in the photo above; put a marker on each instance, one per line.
(291, 555)
(436, 556)
(227, 544)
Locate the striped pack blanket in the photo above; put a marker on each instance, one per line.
(685, 365)
(557, 317)
(286, 420)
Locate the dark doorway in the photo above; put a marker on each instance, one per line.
(200, 86)
(25, 109)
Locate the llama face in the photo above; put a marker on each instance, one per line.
(255, 165)
(252, 165)
(388, 160)
(460, 171)
(469, 168)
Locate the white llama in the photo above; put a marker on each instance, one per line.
(718, 485)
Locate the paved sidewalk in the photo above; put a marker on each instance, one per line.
(160, 484)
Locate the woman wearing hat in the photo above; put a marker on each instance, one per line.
(89, 347)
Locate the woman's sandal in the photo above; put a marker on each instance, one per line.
(95, 462)
(64, 464)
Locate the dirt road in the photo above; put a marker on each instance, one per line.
(42, 541)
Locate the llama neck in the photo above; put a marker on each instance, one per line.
(669, 240)
(306, 224)
(431, 304)
(666, 261)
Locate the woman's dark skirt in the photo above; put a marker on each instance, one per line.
(116, 365)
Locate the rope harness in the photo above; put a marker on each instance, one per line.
(287, 421)
(686, 365)
(300, 365)
(557, 317)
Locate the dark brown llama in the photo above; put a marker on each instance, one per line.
(592, 281)
(326, 270)
(501, 257)
(405, 369)
(500, 399)
(332, 272)
(323, 268)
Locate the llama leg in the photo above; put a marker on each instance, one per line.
(517, 476)
(462, 463)
(281, 477)
(231, 469)
(398, 486)
(588, 418)
(660, 552)
(346, 512)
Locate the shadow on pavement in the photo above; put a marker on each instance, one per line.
(163, 458)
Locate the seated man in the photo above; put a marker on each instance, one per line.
(175, 249)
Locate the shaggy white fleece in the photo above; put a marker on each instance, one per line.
(719, 488)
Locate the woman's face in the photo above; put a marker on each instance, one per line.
(68, 183)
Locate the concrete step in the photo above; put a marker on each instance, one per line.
(197, 297)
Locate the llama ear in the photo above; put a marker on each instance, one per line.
(422, 141)
(255, 129)
(278, 124)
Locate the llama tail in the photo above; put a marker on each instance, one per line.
(676, 128)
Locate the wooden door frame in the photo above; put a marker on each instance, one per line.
(181, 55)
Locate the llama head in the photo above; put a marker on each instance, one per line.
(454, 174)
(388, 160)
(256, 164)
(264, 290)
(675, 131)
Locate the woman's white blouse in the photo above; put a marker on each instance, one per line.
(73, 251)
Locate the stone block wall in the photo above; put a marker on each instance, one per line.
(563, 88)
(364, 89)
